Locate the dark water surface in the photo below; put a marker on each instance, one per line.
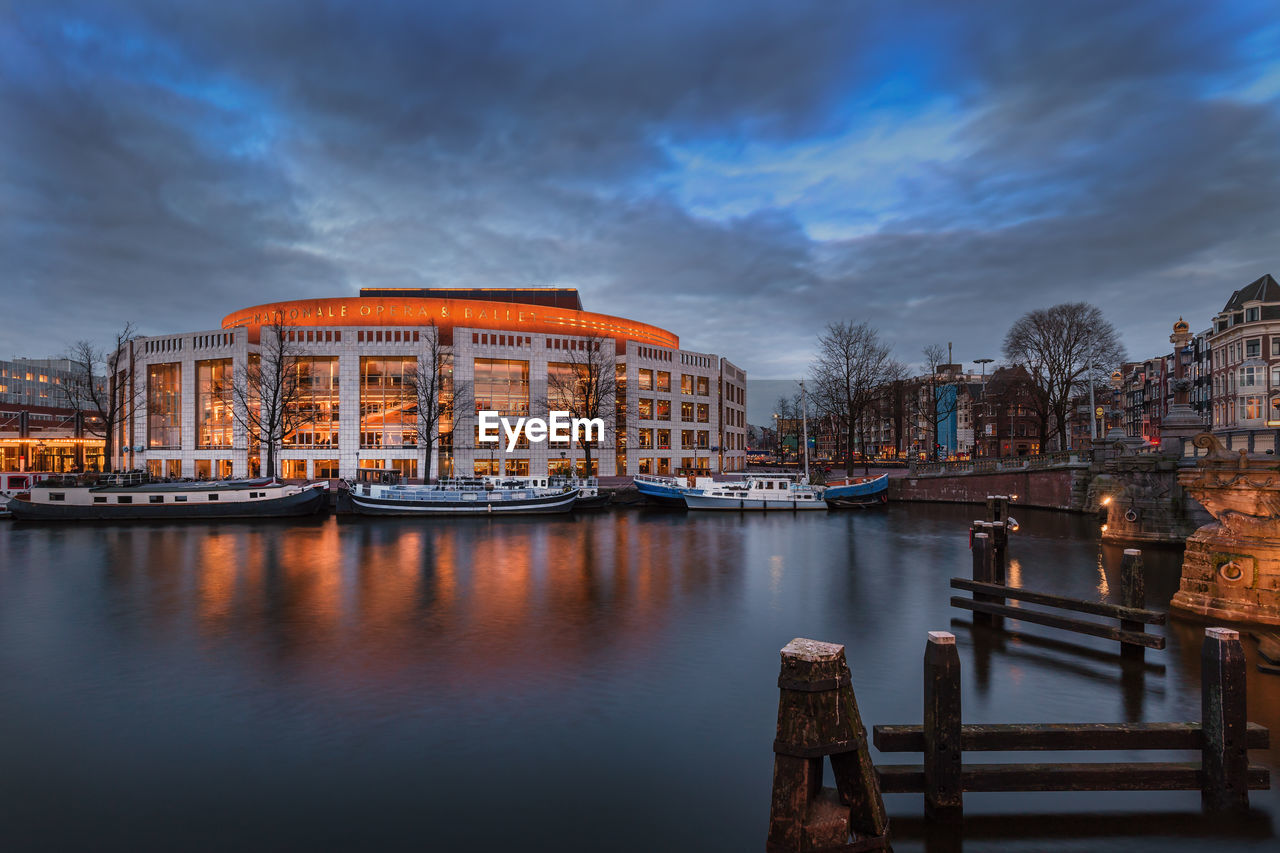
(595, 683)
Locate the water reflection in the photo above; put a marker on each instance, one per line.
(316, 677)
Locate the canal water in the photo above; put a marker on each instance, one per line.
(601, 682)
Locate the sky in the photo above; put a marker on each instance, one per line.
(741, 173)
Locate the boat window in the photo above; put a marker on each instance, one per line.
(157, 499)
(124, 499)
(99, 499)
(57, 496)
(213, 497)
(180, 499)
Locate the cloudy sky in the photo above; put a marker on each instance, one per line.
(739, 172)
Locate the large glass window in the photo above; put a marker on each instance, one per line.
(664, 381)
(213, 403)
(502, 386)
(317, 404)
(664, 439)
(704, 413)
(644, 409)
(686, 411)
(644, 379)
(388, 410)
(664, 410)
(704, 386)
(164, 406)
(645, 438)
(686, 383)
(1253, 347)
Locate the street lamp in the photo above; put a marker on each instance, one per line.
(777, 439)
(983, 402)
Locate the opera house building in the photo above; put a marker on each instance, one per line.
(669, 410)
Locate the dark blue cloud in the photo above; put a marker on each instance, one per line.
(738, 172)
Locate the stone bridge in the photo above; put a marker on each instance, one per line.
(1135, 487)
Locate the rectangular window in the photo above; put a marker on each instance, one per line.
(326, 469)
(164, 406)
(1251, 315)
(313, 416)
(704, 386)
(99, 499)
(664, 382)
(644, 466)
(644, 409)
(157, 499)
(57, 496)
(664, 439)
(124, 499)
(645, 437)
(686, 384)
(704, 439)
(686, 411)
(213, 497)
(388, 405)
(664, 410)
(1253, 348)
(293, 469)
(704, 413)
(1247, 377)
(180, 499)
(686, 438)
(644, 379)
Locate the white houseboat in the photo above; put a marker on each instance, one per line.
(757, 492)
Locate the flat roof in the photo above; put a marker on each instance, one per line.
(553, 297)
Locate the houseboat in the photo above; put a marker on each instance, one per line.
(131, 497)
(668, 491)
(857, 492)
(379, 491)
(757, 492)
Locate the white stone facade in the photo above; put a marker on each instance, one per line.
(712, 437)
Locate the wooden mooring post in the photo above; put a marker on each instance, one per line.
(1133, 594)
(1223, 737)
(818, 718)
(990, 598)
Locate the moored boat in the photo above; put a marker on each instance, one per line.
(660, 490)
(378, 491)
(857, 492)
(589, 496)
(668, 491)
(759, 493)
(131, 497)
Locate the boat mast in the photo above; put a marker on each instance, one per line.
(804, 428)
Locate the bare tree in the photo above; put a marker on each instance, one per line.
(268, 390)
(852, 366)
(584, 383)
(1063, 348)
(788, 424)
(101, 388)
(936, 395)
(438, 396)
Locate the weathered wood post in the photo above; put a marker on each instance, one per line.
(997, 507)
(1132, 594)
(1223, 719)
(818, 716)
(981, 570)
(999, 553)
(943, 795)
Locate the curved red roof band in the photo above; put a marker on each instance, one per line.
(447, 313)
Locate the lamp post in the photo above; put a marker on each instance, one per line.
(982, 405)
(777, 438)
